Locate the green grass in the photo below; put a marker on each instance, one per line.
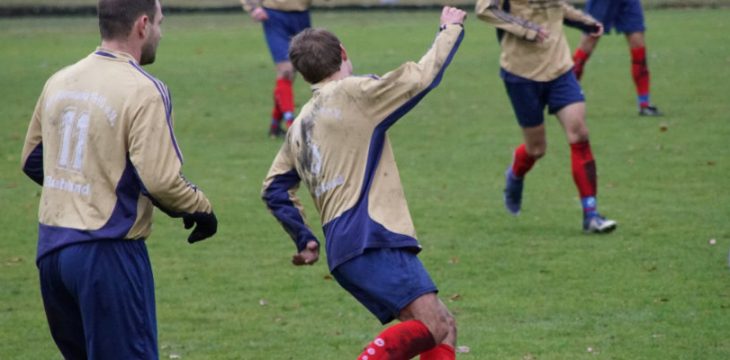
(531, 287)
(334, 3)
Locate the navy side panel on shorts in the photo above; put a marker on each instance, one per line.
(385, 280)
(99, 300)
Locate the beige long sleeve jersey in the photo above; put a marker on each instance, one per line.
(338, 147)
(518, 22)
(281, 5)
(102, 145)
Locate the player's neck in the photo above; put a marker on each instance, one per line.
(123, 46)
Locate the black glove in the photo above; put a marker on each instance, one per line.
(207, 225)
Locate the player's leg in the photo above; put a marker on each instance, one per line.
(284, 92)
(431, 311)
(583, 166)
(62, 310)
(640, 74)
(387, 282)
(528, 102)
(583, 53)
(631, 23)
(112, 280)
(567, 103)
(279, 29)
(603, 11)
(277, 38)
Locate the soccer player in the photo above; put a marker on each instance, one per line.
(536, 70)
(339, 148)
(101, 145)
(628, 18)
(281, 19)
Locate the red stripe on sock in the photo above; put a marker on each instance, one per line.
(584, 168)
(522, 162)
(402, 341)
(441, 352)
(640, 71)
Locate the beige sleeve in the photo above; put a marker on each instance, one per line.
(491, 12)
(381, 97)
(33, 137)
(156, 157)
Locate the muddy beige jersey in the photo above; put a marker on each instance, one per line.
(101, 143)
(339, 149)
(281, 5)
(518, 23)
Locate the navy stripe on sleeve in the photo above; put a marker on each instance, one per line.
(33, 166)
(277, 199)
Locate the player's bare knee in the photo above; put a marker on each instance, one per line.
(285, 73)
(537, 152)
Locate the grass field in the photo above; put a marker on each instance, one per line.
(531, 287)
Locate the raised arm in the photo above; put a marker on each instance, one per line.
(279, 195)
(389, 97)
(493, 12)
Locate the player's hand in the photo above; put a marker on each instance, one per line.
(542, 35)
(597, 30)
(206, 224)
(452, 15)
(259, 14)
(308, 256)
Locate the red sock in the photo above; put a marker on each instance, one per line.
(284, 95)
(580, 58)
(441, 352)
(640, 73)
(522, 161)
(402, 341)
(275, 118)
(584, 168)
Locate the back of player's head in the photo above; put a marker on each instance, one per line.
(316, 54)
(116, 17)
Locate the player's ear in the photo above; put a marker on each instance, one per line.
(140, 26)
(343, 53)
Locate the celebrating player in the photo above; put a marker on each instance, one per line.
(628, 18)
(339, 148)
(281, 19)
(101, 144)
(536, 70)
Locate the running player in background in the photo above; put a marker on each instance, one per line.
(101, 144)
(627, 17)
(536, 70)
(281, 20)
(339, 148)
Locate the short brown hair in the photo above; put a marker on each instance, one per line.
(116, 17)
(316, 54)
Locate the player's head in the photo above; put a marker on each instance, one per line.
(138, 20)
(317, 54)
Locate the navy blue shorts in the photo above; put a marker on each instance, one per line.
(626, 16)
(280, 28)
(99, 300)
(385, 280)
(530, 97)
